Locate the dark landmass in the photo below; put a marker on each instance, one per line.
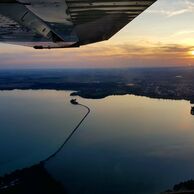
(33, 180)
(186, 187)
(165, 83)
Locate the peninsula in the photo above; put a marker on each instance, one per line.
(165, 83)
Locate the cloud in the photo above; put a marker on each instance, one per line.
(179, 8)
(129, 50)
(169, 13)
(175, 49)
(183, 32)
(100, 55)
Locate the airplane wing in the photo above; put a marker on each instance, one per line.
(65, 23)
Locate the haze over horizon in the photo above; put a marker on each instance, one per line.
(162, 36)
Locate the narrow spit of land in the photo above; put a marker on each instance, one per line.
(36, 179)
(71, 134)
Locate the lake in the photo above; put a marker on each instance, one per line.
(127, 144)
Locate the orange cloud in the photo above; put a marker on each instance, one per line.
(100, 55)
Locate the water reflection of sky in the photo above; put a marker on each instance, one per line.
(128, 144)
(32, 125)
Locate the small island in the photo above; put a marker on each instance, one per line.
(186, 187)
(74, 101)
(192, 110)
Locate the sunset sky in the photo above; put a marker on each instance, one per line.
(162, 36)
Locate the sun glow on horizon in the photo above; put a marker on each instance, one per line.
(155, 38)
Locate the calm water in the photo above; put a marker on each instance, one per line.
(127, 145)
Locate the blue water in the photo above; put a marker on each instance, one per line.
(127, 145)
(32, 125)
